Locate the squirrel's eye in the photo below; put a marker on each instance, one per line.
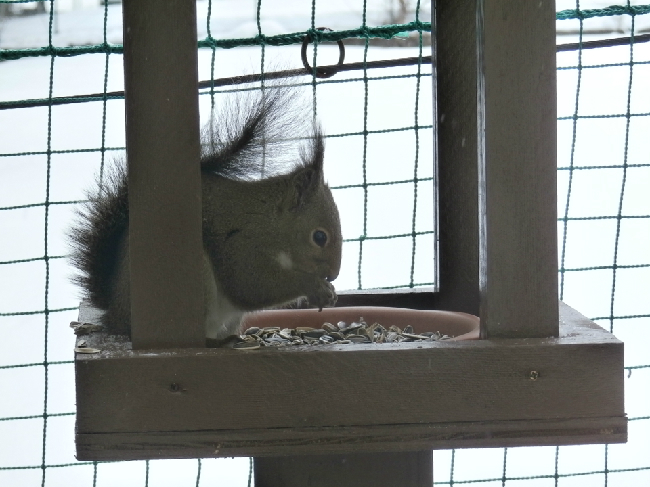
(319, 237)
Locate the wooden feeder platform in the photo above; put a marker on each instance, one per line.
(334, 399)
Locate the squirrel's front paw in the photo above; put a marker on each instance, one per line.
(324, 295)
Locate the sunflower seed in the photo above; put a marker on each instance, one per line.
(329, 327)
(246, 346)
(359, 339)
(86, 350)
(414, 336)
(315, 333)
(286, 334)
(341, 333)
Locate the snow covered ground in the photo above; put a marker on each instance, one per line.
(391, 156)
(230, 19)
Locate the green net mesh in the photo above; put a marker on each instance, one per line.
(62, 128)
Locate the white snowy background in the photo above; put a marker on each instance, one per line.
(391, 156)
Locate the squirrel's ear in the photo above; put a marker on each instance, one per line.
(303, 183)
(306, 180)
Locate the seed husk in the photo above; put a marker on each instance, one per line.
(340, 334)
(246, 346)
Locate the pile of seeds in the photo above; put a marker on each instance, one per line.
(340, 334)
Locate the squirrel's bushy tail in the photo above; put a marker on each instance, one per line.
(96, 236)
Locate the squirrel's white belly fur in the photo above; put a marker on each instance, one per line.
(222, 318)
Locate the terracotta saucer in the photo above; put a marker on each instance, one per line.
(460, 326)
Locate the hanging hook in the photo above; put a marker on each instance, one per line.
(321, 72)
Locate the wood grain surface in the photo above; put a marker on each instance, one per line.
(274, 442)
(517, 169)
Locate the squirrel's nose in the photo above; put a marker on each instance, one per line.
(333, 269)
(327, 269)
(332, 275)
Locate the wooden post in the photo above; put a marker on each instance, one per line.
(455, 71)
(403, 469)
(496, 103)
(163, 150)
(393, 469)
(517, 149)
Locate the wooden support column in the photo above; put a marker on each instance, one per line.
(403, 469)
(517, 150)
(495, 93)
(379, 469)
(163, 150)
(455, 71)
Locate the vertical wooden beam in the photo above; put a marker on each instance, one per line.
(398, 469)
(517, 168)
(455, 68)
(163, 150)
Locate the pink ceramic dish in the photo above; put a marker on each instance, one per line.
(460, 326)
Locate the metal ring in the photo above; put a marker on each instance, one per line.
(321, 72)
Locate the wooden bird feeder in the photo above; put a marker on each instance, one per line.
(541, 374)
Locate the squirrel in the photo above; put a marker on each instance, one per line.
(270, 237)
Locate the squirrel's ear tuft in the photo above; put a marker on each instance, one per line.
(307, 178)
(313, 153)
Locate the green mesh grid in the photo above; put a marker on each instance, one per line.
(601, 206)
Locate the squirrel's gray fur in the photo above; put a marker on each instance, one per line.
(271, 229)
